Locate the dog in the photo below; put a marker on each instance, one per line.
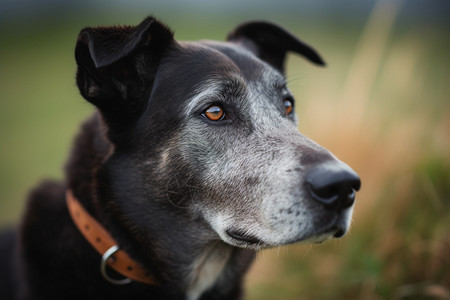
(191, 163)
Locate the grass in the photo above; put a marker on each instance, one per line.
(381, 105)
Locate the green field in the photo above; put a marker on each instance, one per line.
(382, 105)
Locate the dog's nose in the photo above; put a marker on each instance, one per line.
(333, 185)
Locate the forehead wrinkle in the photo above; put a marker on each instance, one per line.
(207, 90)
(216, 88)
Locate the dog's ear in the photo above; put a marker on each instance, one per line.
(117, 65)
(270, 43)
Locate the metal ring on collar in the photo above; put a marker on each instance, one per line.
(103, 265)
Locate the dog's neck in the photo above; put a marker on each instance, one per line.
(207, 268)
(104, 243)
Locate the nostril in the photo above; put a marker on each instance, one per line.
(348, 192)
(326, 192)
(333, 185)
(327, 195)
(355, 182)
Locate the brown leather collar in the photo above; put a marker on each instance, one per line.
(102, 241)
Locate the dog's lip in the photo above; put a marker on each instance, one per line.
(334, 231)
(243, 237)
(330, 231)
(338, 232)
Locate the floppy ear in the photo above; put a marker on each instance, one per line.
(270, 43)
(117, 65)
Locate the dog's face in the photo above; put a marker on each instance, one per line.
(210, 128)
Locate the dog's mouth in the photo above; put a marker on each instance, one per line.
(323, 228)
(243, 237)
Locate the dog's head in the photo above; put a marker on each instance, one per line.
(207, 132)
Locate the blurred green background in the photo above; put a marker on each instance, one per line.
(382, 105)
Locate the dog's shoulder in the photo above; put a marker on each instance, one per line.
(44, 199)
(8, 263)
(47, 236)
(22, 244)
(44, 212)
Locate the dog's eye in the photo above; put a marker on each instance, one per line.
(288, 106)
(215, 113)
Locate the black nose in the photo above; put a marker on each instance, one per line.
(333, 185)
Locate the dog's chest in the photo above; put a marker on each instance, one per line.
(207, 268)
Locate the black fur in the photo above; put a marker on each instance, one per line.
(134, 76)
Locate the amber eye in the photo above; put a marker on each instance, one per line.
(288, 106)
(215, 113)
